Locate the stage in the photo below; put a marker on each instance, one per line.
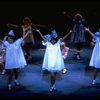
(76, 83)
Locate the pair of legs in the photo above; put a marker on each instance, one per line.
(11, 73)
(53, 80)
(95, 75)
(78, 47)
(26, 48)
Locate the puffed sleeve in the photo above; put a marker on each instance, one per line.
(6, 43)
(20, 41)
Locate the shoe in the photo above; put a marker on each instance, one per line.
(9, 87)
(25, 53)
(64, 71)
(29, 58)
(3, 72)
(93, 82)
(78, 57)
(53, 88)
(16, 83)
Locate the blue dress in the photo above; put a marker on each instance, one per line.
(78, 33)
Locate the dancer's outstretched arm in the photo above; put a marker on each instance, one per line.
(88, 30)
(66, 35)
(37, 30)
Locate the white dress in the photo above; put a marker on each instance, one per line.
(14, 55)
(95, 59)
(53, 60)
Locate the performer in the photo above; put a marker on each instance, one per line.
(53, 60)
(65, 50)
(14, 57)
(77, 36)
(95, 58)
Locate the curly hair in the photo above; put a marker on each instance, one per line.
(78, 16)
(27, 19)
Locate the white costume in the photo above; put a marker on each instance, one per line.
(53, 60)
(95, 59)
(14, 55)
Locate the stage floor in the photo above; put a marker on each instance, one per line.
(76, 83)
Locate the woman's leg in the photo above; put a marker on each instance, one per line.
(10, 76)
(16, 77)
(3, 69)
(78, 47)
(53, 80)
(26, 48)
(95, 76)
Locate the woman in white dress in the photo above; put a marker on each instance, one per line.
(95, 58)
(14, 57)
(53, 60)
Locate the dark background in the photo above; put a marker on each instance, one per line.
(49, 13)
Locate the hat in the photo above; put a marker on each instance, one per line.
(54, 33)
(11, 33)
(47, 37)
